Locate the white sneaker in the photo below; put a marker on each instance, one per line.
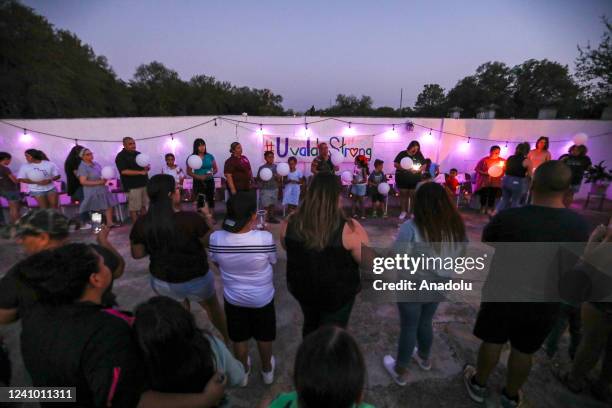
(268, 378)
(389, 363)
(247, 372)
(85, 226)
(402, 215)
(424, 364)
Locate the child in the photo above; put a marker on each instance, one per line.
(465, 189)
(295, 180)
(329, 371)
(268, 190)
(175, 171)
(359, 184)
(178, 356)
(451, 181)
(9, 187)
(377, 177)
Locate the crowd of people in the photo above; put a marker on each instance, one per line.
(74, 333)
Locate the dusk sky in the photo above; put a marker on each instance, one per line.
(310, 51)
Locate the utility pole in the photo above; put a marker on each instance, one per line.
(401, 100)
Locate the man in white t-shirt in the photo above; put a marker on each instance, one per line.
(245, 257)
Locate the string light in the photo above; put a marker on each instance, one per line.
(393, 129)
(260, 127)
(349, 125)
(215, 121)
(469, 138)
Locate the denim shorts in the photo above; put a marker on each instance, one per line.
(11, 195)
(42, 193)
(197, 290)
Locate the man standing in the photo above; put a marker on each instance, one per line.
(525, 325)
(134, 178)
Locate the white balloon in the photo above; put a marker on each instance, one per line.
(383, 188)
(35, 175)
(265, 174)
(194, 161)
(336, 157)
(495, 171)
(406, 163)
(580, 138)
(347, 176)
(108, 172)
(282, 169)
(143, 160)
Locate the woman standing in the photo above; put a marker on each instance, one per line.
(538, 155)
(39, 174)
(488, 187)
(73, 187)
(323, 254)
(436, 221)
(203, 178)
(406, 180)
(514, 183)
(175, 244)
(95, 193)
(237, 170)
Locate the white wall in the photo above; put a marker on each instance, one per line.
(443, 148)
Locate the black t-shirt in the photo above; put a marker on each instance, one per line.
(535, 223)
(326, 279)
(84, 346)
(405, 178)
(126, 160)
(578, 165)
(514, 166)
(184, 257)
(14, 294)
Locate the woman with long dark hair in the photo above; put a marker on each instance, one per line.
(437, 222)
(323, 254)
(203, 178)
(179, 357)
(538, 155)
(73, 185)
(175, 244)
(406, 180)
(39, 174)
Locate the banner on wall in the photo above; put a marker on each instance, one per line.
(305, 150)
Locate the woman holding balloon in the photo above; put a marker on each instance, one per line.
(489, 172)
(408, 164)
(203, 172)
(93, 179)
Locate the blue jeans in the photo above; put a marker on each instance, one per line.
(513, 189)
(416, 329)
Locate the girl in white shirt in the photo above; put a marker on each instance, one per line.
(39, 174)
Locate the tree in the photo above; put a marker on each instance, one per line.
(431, 101)
(494, 84)
(466, 95)
(538, 84)
(350, 105)
(594, 71)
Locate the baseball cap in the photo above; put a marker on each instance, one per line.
(240, 208)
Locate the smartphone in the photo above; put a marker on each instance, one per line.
(96, 221)
(201, 200)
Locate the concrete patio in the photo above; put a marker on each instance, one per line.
(375, 326)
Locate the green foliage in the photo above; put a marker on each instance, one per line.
(431, 102)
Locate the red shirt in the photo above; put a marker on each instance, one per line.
(240, 169)
(452, 183)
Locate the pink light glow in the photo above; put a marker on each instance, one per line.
(304, 132)
(428, 138)
(504, 150)
(26, 139)
(391, 134)
(172, 144)
(260, 132)
(464, 146)
(349, 131)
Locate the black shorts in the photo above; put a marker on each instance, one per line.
(404, 180)
(377, 197)
(524, 325)
(244, 323)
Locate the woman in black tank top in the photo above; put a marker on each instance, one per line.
(322, 274)
(515, 182)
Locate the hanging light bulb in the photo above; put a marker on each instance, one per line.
(349, 125)
(393, 127)
(215, 121)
